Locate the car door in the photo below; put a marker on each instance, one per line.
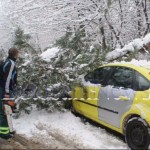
(117, 96)
(143, 89)
(92, 84)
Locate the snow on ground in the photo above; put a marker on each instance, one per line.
(49, 53)
(131, 47)
(66, 127)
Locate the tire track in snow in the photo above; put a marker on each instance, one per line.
(59, 138)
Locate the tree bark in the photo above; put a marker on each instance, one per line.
(101, 28)
(137, 2)
(114, 32)
(144, 5)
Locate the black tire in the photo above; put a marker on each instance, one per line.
(137, 136)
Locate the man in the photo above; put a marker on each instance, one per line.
(8, 79)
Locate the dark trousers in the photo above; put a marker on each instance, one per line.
(4, 129)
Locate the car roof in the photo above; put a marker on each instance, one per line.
(130, 65)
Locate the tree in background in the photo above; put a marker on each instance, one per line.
(108, 23)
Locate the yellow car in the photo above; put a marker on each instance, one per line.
(118, 97)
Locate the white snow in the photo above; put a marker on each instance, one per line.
(83, 65)
(26, 63)
(146, 39)
(81, 79)
(141, 63)
(67, 126)
(49, 53)
(131, 47)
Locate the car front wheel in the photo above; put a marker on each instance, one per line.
(137, 135)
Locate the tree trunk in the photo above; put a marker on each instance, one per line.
(144, 5)
(114, 32)
(101, 28)
(137, 2)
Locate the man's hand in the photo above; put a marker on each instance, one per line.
(12, 104)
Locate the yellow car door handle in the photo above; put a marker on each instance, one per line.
(125, 98)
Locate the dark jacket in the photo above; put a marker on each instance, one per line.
(9, 76)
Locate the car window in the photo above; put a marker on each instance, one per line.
(122, 77)
(142, 83)
(98, 75)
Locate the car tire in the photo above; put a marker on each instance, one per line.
(137, 135)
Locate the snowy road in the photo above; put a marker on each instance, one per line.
(64, 130)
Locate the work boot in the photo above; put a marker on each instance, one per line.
(6, 136)
(13, 132)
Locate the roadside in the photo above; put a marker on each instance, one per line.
(59, 130)
(42, 130)
(20, 142)
(57, 141)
